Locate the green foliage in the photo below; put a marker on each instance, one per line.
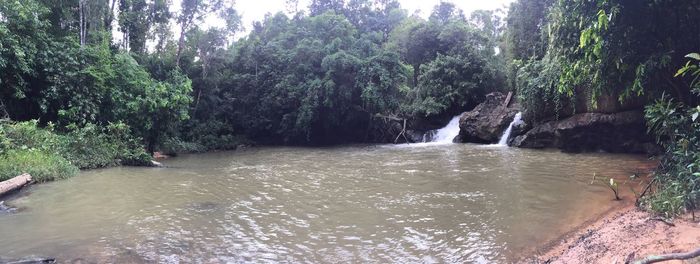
(526, 25)
(382, 80)
(41, 165)
(677, 129)
(452, 83)
(174, 146)
(615, 48)
(85, 148)
(150, 107)
(536, 86)
(605, 48)
(91, 147)
(27, 149)
(22, 38)
(26, 135)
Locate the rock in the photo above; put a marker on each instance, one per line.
(623, 132)
(31, 260)
(486, 123)
(4, 209)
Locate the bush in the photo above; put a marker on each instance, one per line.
(173, 146)
(128, 149)
(88, 148)
(204, 136)
(25, 147)
(92, 147)
(536, 85)
(26, 135)
(677, 129)
(41, 165)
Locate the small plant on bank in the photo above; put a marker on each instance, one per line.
(610, 183)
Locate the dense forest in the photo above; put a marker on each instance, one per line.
(107, 82)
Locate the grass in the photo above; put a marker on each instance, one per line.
(41, 165)
(48, 155)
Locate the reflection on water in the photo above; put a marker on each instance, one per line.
(369, 204)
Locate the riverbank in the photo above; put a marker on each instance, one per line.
(624, 234)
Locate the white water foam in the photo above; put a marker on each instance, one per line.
(506, 134)
(448, 133)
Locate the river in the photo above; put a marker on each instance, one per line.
(428, 203)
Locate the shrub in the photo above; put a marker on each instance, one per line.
(128, 149)
(536, 85)
(677, 129)
(89, 148)
(173, 146)
(27, 135)
(203, 136)
(43, 166)
(86, 147)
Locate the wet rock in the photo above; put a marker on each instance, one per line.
(623, 132)
(486, 123)
(415, 136)
(202, 207)
(29, 260)
(4, 209)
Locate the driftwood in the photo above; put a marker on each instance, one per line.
(663, 220)
(675, 256)
(507, 101)
(403, 133)
(33, 261)
(14, 183)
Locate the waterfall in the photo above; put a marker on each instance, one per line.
(504, 138)
(446, 134)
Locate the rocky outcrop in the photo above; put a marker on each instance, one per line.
(487, 121)
(623, 132)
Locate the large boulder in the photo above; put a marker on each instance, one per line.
(623, 132)
(486, 123)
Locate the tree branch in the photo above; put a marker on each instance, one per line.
(675, 256)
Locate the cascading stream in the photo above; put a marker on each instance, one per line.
(506, 134)
(447, 134)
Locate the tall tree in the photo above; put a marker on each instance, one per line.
(192, 11)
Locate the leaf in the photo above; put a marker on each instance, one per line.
(694, 56)
(695, 116)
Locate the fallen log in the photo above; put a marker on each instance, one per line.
(14, 183)
(675, 256)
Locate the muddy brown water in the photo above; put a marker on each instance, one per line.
(425, 203)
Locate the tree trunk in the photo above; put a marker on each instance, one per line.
(416, 73)
(14, 183)
(81, 11)
(180, 44)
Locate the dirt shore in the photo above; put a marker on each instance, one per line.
(622, 235)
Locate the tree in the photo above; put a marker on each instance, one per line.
(190, 12)
(318, 7)
(525, 25)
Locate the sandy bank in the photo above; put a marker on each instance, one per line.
(624, 235)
